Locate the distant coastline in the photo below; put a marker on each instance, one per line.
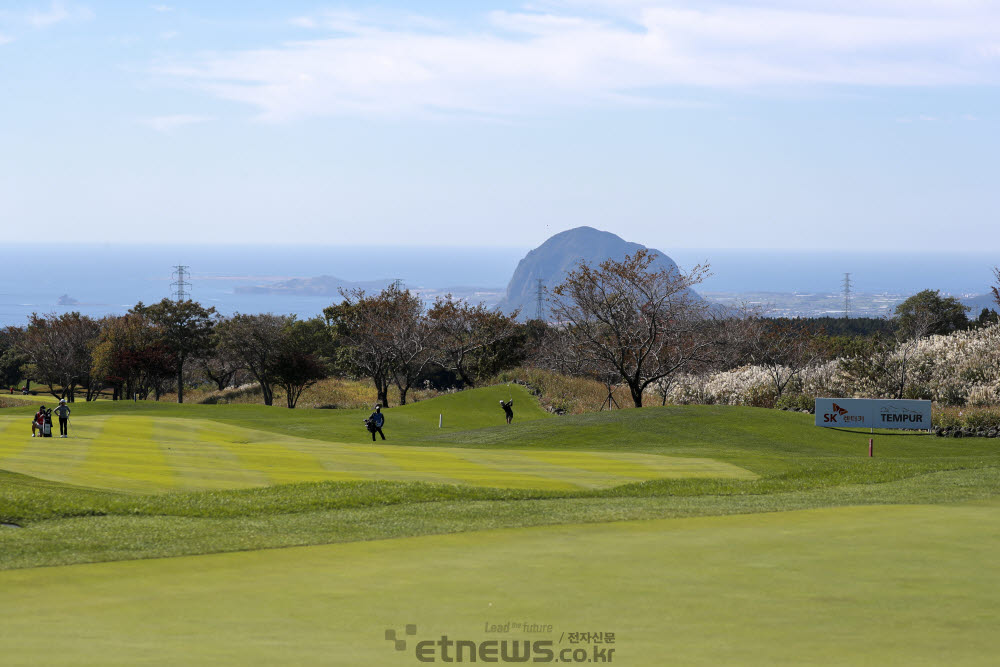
(106, 279)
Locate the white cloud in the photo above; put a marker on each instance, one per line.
(169, 123)
(161, 8)
(601, 53)
(57, 12)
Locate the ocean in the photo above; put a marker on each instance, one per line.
(106, 278)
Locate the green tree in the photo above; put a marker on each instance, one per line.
(253, 339)
(12, 360)
(927, 313)
(297, 363)
(186, 329)
(132, 358)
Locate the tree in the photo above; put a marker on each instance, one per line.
(927, 313)
(996, 288)
(132, 358)
(463, 330)
(58, 349)
(359, 326)
(987, 316)
(253, 340)
(219, 365)
(410, 338)
(12, 359)
(781, 348)
(879, 366)
(296, 365)
(186, 328)
(629, 321)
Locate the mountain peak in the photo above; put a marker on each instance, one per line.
(562, 253)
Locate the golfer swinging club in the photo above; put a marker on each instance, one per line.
(508, 410)
(375, 421)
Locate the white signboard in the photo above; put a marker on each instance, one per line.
(873, 413)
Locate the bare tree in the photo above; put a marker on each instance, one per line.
(411, 338)
(640, 323)
(881, 365)
(996, 288)
(359, 325)
(58, 349)
(783, 350)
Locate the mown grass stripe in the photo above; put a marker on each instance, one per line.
(197, 459)
(126, 457)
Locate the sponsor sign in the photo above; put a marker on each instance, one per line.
(873, 413)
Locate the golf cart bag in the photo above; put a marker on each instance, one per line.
(47, 424)
(370, 425)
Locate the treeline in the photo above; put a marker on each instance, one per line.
(166, 347)
(622, 323)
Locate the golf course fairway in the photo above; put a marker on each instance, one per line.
(154, 454)
(914, 585)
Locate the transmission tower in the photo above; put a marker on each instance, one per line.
(539, 299)
(398, 284)
(182, 288)
(847, 295)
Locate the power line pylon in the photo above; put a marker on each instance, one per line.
(540, 300)
(182, 288)
(847, 295)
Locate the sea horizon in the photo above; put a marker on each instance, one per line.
(108, 278)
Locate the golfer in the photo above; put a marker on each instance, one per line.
(63, 413)
(37, 421)
(375, 421)
(508, 410)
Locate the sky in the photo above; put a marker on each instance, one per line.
(815, 124)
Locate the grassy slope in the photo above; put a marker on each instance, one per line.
(800, 466)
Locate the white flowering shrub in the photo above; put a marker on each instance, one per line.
(962, 368)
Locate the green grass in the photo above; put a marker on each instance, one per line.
(138, 448)
(875, 585)
(707, 534)
(145, 465)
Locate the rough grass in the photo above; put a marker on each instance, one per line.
(565, 393)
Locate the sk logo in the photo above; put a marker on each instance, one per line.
(400, 644)
(839, 410)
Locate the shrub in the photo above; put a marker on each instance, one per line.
(796, 402)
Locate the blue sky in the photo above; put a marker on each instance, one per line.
(842, 124)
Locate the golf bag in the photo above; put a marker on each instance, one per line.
(370, 425)
(47, 425)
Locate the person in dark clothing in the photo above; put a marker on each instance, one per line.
(375, 421)
(63, 413)
(508, 410)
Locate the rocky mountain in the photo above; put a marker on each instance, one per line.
(560, 254)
